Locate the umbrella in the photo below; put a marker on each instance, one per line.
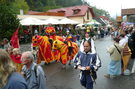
(51, 21)
(79, 25)
(31, 21)
(68, 21)
(109, 25)
(93, 22)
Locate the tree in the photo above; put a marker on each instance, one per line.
(46, 8)
(36, 5)
(20, 4)
(100, 12)
(8, 21)
(44, 5)
(51, 4)
(6, 1)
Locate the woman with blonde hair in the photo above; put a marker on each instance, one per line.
(9, 78)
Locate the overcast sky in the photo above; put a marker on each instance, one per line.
(112, 6)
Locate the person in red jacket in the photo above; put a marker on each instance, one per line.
(16, 57)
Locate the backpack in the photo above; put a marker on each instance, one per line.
(35, 70)
(93, 73)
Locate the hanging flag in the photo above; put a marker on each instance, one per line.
(14, 39)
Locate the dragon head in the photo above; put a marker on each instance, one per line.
(35, 40)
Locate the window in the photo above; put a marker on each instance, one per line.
(88, 15)
(76, 11)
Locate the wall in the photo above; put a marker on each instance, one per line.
(78, 19)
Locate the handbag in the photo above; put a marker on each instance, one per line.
(93, 74)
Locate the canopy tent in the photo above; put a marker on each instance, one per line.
(68, 21)
(93, 22)
(31, 21)
(51, 21)
(80, 24)
(109, 25)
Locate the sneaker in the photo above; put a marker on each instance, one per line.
(107, 76)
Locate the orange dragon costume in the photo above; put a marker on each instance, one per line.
(64, 51)
(44, 52)
(61, 52)
(51, 33)
(59, 45)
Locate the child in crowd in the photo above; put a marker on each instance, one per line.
(6, 43)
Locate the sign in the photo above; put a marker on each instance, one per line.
(119, 19)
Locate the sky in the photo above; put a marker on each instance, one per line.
(112, 6)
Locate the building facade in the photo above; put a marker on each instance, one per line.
(81, 14)
(130, 14)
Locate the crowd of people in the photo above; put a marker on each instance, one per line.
(121, 52)
(28, 76)
(19, 71)
(32, 75)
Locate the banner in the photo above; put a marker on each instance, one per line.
(14, 39)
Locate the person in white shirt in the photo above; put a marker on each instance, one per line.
(123, 40)
(87, 37)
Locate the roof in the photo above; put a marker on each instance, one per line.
(100, 21)
(130, 11)
(104, 17)
(42, 17)
(46, 13)
(33, 12)
(69, 11)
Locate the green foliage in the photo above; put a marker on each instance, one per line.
(113, 20)
(44, 5)
(36, 5)
(100, 12)
(46, 8)
(66, 3)
(20, 4)
(7, 2)
(8, 21)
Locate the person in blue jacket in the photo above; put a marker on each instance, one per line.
(86, 62)
(9, 78)
(33, 73)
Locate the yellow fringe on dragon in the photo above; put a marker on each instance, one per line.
(64, 50)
